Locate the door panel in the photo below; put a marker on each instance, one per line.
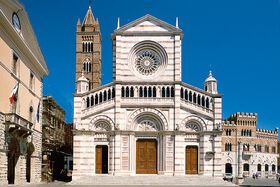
(146, 157)
(191, 160)
(98, 160)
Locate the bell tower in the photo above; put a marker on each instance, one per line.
(88, 50)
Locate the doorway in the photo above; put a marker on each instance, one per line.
(191, 160)
(146, 156)
(101, 159)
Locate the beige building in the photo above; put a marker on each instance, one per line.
(22, 62)
(256, 148)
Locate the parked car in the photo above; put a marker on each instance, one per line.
(228, 177)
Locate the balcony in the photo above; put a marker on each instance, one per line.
(16, 122)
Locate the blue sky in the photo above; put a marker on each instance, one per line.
(241, 39)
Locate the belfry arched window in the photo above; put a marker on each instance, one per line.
(167, 92)
(141, 92)
(190, 96)
(145, 92)
(87, 65)
(172, 91)
(109, 94)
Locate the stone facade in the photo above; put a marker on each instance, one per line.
(258, 147)
(22, 65)
(147, 102)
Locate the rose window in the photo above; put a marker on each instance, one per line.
(147, 62)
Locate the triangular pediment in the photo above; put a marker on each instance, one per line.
(148, 23)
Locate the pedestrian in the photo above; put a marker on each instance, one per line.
(257, 175)
(254, 176)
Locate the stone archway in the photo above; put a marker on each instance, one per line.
(13, 157)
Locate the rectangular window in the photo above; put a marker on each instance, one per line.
(31, 81)
(273, 149)
(267, 149)
(15, 65)
(259, 148)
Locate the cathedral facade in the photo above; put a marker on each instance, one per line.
(147, 121)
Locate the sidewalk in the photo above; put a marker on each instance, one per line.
(151, 180)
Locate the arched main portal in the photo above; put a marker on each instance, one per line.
(149, 142)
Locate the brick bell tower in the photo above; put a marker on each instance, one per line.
(88, 50)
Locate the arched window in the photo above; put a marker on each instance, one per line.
(87, 101)
(109, 94)
(150, 92)
(127, 92)
(105, 95)
(242, 132)
(131, 92)
(207, 102)
(83, 47)
(100, 97)
(91, 47)
(122, 91)
(154, 91)
(88, 47)
(266, 168)
(245, 167)
(259, 167)
(228, 168)
(163, 92)
(182, 93)
(229, 132)
(228, 147)
(31, 114)
(96, 99)
(186, 95)
(172, 91)
(199, 99)
(203, 101)
(113, 93)
(145, 92)
(167, 92)
(89, 68)
(250, 133)
(273, 168)
(91, 101)
(190, 96)
(141, 92)
(194, 97)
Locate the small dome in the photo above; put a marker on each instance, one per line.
(210, 78)
(82, 78)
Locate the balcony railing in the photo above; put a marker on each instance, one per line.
(14, 119)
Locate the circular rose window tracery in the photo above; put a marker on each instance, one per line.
(147, 62)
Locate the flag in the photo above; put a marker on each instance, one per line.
(14, 93)
(38, 112)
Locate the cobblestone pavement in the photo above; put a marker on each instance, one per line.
(260, 182)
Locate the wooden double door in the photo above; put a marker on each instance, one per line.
(191, 160)
(146, 156)
(101, 159)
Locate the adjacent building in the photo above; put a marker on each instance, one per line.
(56, 141)
(256, 149)
(147, 121)
(22, 67)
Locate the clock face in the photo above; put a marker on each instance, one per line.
(16, 22)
